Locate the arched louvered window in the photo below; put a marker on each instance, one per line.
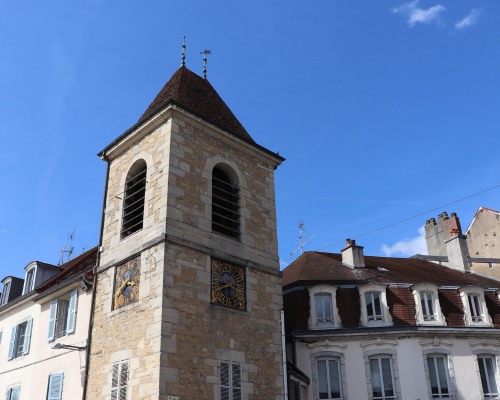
(133, 200)
(225, 202)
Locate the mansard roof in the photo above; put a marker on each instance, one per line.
(313, 267)
(196, 95)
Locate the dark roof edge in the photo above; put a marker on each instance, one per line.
(66, 282)
(165, 105)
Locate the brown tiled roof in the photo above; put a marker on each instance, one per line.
(197, 96)
(83, 264)
(398, 273)
(320, 267)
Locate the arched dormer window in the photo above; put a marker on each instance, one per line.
(133, 200)
(225, 201)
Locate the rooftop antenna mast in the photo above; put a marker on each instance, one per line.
(67, 253)
(301, 239)
(183, 57)
(205, 60)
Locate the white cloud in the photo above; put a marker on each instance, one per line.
(468, 20)
(416, 14)
(407, 247)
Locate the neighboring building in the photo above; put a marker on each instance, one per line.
(480, 244)
(188, 293)
(51, 306)
(389, 328)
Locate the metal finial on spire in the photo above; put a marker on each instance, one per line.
(205, 52)
(183, 58)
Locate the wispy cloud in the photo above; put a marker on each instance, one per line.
(415, 14)
(469, 20)
(3, 231)
(407, 247)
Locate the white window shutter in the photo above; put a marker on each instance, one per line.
(224, 385)
(12, 344)
(73, 302)
(27, 336)
(52, 320)
(114, 381)
(55, 387)
(13, 394)
(236, 381)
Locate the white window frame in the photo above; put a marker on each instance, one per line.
(5, 292)
(16, 348)
(339, 372)
(379, 358)
(434, 356)
(314, 322)
(119, 380)
(438, 350)
(470, 317)
(55, 328)
(420, 291)
(28, 286)
(13, 393)
(234, 381)
(384, 308)
(493, 354)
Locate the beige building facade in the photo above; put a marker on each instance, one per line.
(188, 294)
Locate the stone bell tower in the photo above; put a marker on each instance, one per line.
(188, 293)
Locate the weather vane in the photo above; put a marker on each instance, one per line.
(183, 62)
(205, 52)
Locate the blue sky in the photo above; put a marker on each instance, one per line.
(383, 110)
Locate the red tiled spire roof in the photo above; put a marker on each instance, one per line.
(196, 95)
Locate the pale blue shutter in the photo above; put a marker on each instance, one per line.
(27, 336)
(52, 320)
(55, 387)
(15, 393)
(73, 301)
(12, 344)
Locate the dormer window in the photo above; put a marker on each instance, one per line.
(324, 312)
(323, 307)
(428, 309)
(475, 310)
(373, 306)
(374, 309)
(29, 280)
(5, 293)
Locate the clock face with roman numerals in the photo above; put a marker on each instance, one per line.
(228, 285)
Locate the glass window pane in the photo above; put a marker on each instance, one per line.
(369, 305)
(318, 305)
(432, 375)
(376, 302)
(333, 367)
(327, 306)
(376, 378)
(387, 376)
(442, 373)
(322, 380)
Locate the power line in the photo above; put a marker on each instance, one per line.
(414, 216)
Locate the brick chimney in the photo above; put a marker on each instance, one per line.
(352, 255)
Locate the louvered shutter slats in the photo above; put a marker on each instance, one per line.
(119, 381)
(27, 336)
(73, 302)
(52, 320)
(12, 344)
(55, 387)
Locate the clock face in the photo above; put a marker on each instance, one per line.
(228, 285)
(127, 280)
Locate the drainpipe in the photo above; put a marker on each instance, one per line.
(94, 289)
(283, 348)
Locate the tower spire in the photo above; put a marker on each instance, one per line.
(183, 57)
(205, 60)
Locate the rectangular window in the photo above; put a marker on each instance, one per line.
(62, 317)
(382, 378)
(229, 381)
(5, 293)
(119, 380)
(298, 390)
(476, 311)
(13, 393)
(329, 379)
(428, 309)
(20, 339)
(438, 375)
(323, 308)
(373, 306)
(54, 390)
(488, 372)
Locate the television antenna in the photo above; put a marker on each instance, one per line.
(67, 252)
(302, 243)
